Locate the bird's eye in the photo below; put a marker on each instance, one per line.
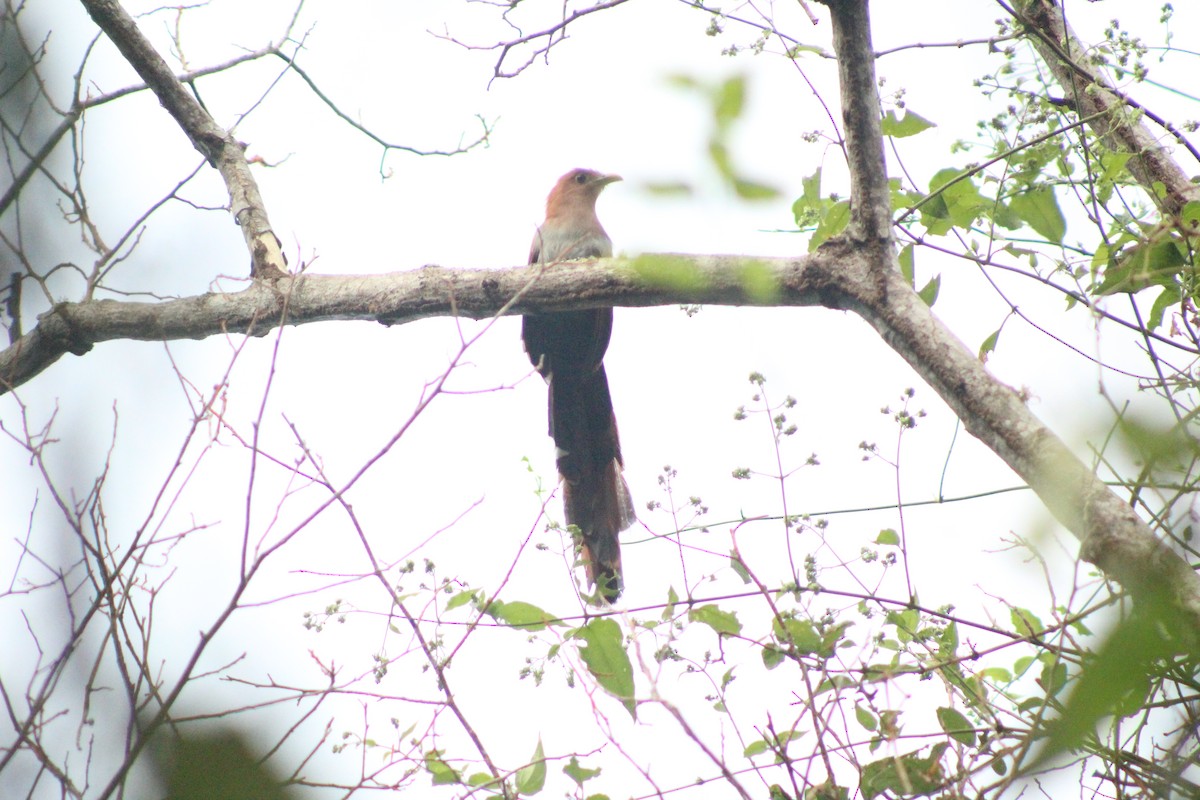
(581, 178)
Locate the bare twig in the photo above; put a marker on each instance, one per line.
(379, 140)
(553, 35)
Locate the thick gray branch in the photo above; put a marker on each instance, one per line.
(871, 214)
(842, 274)
(393, 298)
(1116, 120)
(1113, 536)
(215, 143)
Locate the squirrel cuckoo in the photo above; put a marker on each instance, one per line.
(567, 348)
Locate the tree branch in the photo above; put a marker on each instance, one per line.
(856, 272)
(842, 275)
(553, 35)
(871, 204)
(393, 298)
(216, 144)
(1113, 536)
(482, 139)
(1093, 96)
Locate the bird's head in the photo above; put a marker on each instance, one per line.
(579, 187)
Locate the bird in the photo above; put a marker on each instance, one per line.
(567, 348)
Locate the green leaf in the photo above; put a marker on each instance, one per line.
(1157, 260)
(1115, 680)
(960, 201)
(672, 599)
(865, 717)
(577, 773)
(756, 748)
(772, 656)
(907, 264)
(1113, 166)
(723, 622)
(1039, 208)
(825, 217)
(683, 81)
(901, 198)
(956, 726)
(669, 189)
(935, 216)
(782, 740)
(800, 633)
(997, 675)
(948, 641)
(718, 153)
(729, 100)
(532, 778)
(905, 776)
(1054, 675)
(442, 772)
(811, 187)
(1025, 622)
(520, 615)
(461, 599)
(738, 567)
(1169, 297)
(888, 536)
(776, 744)
(1189, 217)
(603, 653)
(1006, 217)
(215, 763)
(480, 779)
(910, 125)
(989, 345)
(906, 623)
(832, 223)
(753, 190)
(929, 294)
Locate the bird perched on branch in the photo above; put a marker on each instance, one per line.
(567, 348)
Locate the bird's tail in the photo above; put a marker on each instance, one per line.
(595, 496)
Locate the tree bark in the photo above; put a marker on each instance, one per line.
(215, 143)
(1116, 118)
(1112, 535)
(856, 271)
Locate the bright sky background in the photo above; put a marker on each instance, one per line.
(603, 102)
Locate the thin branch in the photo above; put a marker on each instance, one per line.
(871, 211)
(991, 42)
(379, 140)
(554, 34)
(217, 145)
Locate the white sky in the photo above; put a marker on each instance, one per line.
(603, 102)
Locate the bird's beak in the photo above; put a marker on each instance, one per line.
(607, 179)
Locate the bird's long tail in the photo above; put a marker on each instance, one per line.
(595, 496)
